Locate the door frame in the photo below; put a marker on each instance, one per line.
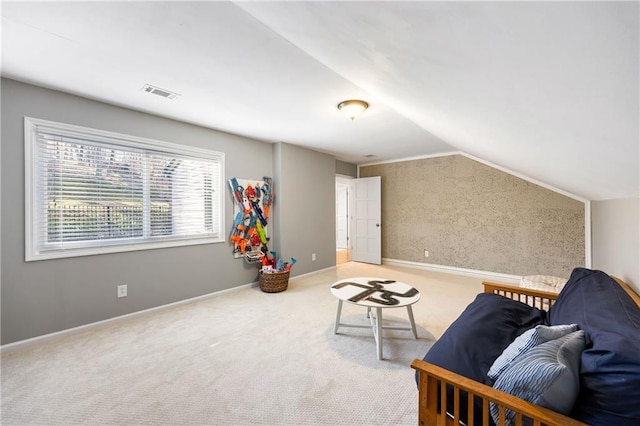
(345, 180)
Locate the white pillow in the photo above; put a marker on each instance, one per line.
(527, 340)
(543, 282)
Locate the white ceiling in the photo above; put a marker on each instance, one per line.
(548, 90)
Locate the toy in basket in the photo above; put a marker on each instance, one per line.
(274, 275)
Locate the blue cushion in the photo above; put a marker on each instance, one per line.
(480, 334)
(610, 370)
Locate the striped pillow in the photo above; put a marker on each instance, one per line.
(547, 375)
(527, 340)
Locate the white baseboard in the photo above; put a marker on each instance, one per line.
(312, 273)
(111, 321)
(21, 344)
(484, 275)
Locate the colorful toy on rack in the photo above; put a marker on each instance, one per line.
(248, 234)
(267, 188)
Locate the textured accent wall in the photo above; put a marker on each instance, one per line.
(469, 215)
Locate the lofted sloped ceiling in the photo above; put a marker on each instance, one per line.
(546, 89)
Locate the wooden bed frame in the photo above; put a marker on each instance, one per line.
(431, 378)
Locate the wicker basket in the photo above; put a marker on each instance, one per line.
(274, 282)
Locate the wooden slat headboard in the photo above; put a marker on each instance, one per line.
(536, 298)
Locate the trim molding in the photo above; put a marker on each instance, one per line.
(312, 273)
(417, 157)
(588, 256)
(486, 163)
(344, 177)
(524, 177)
(485, 275)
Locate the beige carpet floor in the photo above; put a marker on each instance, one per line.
(239, 358)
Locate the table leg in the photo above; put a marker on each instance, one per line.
(335, 329)
(379, 331)
(412, 321)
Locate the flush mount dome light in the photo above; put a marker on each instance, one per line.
(353, 108)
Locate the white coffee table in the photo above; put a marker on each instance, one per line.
(375, 293)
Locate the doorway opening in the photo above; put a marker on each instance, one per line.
(342, 220)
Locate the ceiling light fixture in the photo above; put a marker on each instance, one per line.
(353, 108)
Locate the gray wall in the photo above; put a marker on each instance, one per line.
(469, 215)
(306, 215)
(346, 169)
(51, 295)
(615, 238)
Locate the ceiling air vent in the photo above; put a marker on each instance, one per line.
(160, 92)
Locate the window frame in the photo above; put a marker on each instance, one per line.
(33, 230)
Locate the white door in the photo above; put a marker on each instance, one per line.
(342, 218)
(366, 234)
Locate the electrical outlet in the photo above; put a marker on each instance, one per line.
(313, 257)
(426, 253)
(122, 291)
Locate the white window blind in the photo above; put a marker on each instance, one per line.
(91, 192)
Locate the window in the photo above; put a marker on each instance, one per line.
(90, 192)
